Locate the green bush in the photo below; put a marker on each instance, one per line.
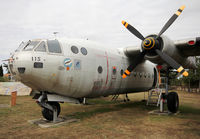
(4, 79)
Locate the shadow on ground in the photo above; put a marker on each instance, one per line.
(185, 109)
(108, 106)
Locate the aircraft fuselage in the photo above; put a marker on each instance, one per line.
(91, 73)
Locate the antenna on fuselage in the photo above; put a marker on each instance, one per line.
(55, 34)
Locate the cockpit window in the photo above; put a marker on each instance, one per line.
(54, 46)
(41, 47)
(22, 44)
(30, 45)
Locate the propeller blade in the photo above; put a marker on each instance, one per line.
(136, 61)
(133, 30)
(170, 21)
(7, 59)
(172, 62)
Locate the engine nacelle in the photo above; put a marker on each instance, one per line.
(165, 45)
(168, 47)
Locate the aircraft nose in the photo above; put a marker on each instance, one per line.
(20, 65)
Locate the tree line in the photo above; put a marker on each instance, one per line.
(192, 80)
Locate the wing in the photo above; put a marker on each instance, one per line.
(189, 47)
(182, 51)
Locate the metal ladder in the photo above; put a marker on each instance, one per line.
(154, 95)
(115, 97)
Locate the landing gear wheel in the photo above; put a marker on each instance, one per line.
(48, 114)
(172, 102)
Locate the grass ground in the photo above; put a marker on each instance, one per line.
(104, 119)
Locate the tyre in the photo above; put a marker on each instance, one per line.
(48, 114)
(172, 102)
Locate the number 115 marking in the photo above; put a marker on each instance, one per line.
(36, 59)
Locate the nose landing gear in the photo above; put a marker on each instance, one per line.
(50, 114)
(50, 110)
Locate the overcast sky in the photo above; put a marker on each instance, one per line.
(98, 20)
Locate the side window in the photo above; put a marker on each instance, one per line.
(140, 74)
(41, 47)
(84, 51)
(122, 72)
(145, 75)
(135, 74)
(149, 75)
(100, 69)
(74, 49)
(54, 46)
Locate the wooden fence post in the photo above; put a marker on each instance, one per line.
(13, 98)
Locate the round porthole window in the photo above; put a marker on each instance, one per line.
(149, 75)
(84, 51)
(135, 74)
(140, 75)
(122, 71)
(74, 49)
(100, 69)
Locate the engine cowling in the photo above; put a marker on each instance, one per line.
(168, 47)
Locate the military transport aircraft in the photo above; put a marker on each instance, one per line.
(68, 70)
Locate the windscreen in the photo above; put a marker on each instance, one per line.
(29, 46)
(41, 47)
(22, 44)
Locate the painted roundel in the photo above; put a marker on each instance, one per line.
(67, 63)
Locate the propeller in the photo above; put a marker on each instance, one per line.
(152, 43)
(136, 61)
(133, 30)
(6, 60)
(172, 62)
(10, 59)
(170, 21)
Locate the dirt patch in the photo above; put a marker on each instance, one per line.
(104, 119)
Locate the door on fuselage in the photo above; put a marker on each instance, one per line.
(155, 78)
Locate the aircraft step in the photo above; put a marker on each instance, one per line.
(115, 97)
(154, 97)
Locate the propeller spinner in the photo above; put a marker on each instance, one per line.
(153, 43)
